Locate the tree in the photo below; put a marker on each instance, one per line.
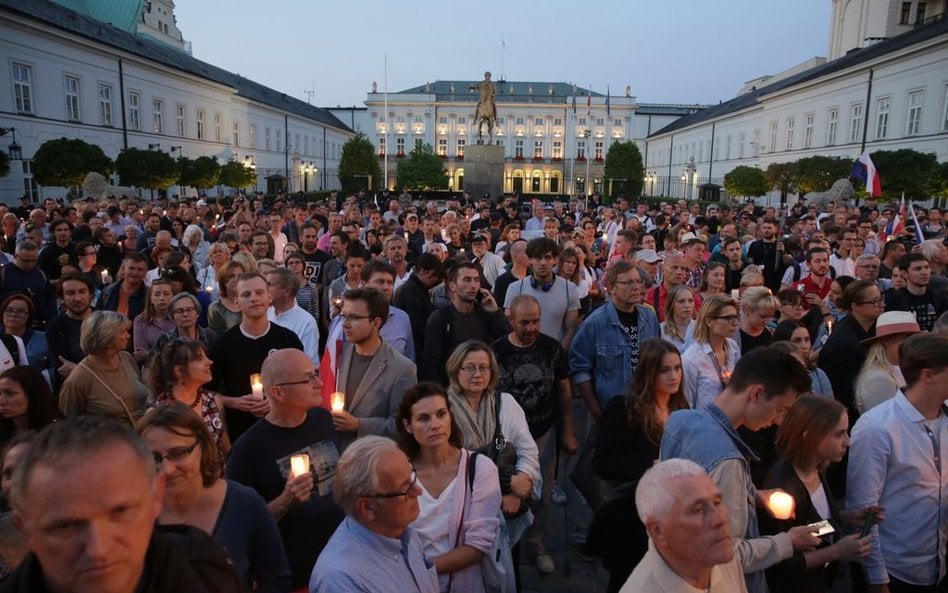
(781, 177)
(150, 169)
(66, 162)
(4, 164)
(358, 163)
(202, 173)
(818, 173)
(237, 175)
(423, 169)
(905, 170)
(624, 161)
(938, 184)
(746, 181)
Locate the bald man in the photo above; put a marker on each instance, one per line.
(295, 425)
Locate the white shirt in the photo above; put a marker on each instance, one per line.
(298, 321)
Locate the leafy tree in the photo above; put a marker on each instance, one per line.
(938, 184)
(201, 173)
(358, 161)
(905, 170)
(746, 181)
(4, 164)
(150, 169)
(423, 169)
(66, 162)
(782, 177)
(236, 175)
(624, 161)
(818, 173)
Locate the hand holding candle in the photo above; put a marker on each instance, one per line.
(337, 401)
(106, 279)
(299, 465)
(256, 385)
(780, 505)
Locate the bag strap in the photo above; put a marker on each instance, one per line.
(121, 401)
(499, 441)
(471, 459)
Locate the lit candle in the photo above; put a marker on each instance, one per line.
(299, 465)
(406, 236)
(735, 293)
(105, 277)
(829, 326)
(337, 401)
(256, 385)
(209, 289)
(780, 505)
(725, 376)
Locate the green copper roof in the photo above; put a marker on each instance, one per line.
(121, 14)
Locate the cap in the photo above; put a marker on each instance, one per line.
(647, 255)
(689, 238)
(892, 323)
(479, 237)
(201, 203)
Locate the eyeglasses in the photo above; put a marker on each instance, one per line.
(183, 311)
(17, 312)
(174, 455)
(471, 369)
(628, 282)
(348, 318)
(728, 318)
(309, 379)
(412, 482)
(874, 302)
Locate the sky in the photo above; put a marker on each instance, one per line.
(669, 51)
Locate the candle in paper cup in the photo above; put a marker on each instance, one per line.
(337, 401)
(780, 505)
(735, 293)
(208, 289)
(299, 465)
(105, 277)
(256, 385)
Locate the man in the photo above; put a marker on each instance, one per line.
(86, 494)
(937, 254)
(294, 229)
(24, 277)
(763, 386)
(604, 352)
(285, 311)
(471, 314)
(536, 222)
(397, 331)
(840, 259)
(815, 285)
(689, 543)
(734, 263)
(241, 350)
(519, 269)
(260, 245)
(648, 260)
(414, 235)
(108, 252)
(146, 240)
(918, 296)
(260, 459)
(413, 296)
(934, 229)
(558, 297)
(896, 461)
(492, 265)
(396, 251)
(673, 274)
(892, 252)
(371, 373)
(334, 226)
(693, 248)
(533, 369)
(60, 251)
(867, 268)
(338, 247)
(767, 253)
(62, 332)
(127, 296)
(374, 549)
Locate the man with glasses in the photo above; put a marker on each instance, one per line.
(24, 277)
(374, 549)
(371, 373)
(261, 459)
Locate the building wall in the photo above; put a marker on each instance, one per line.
(857, 23)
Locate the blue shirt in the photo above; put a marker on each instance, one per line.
(704, 377)
(357, 559)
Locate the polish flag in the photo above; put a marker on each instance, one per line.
(865, 171)
(895, 226)
(328, 364)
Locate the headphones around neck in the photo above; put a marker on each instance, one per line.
(545, 287)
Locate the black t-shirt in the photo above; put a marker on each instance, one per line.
(762, 253)
(260, 459)
(749, 342)
(315, 266)
(926, 307)
(630, 325)
(530, 375)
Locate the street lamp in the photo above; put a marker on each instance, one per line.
(15, 152)
(584, 134)
(250, 163)
(684, 185)
(154, 146)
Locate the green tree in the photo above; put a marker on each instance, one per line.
(624, 161)
(423, 169)
(66, 162)
(4, 164)
(746, 181)
(202, 173)
(236, 175)
(818, 173)
(782, 177)
(938, 184)
(358, 162)
(150, 169)
(905, 170)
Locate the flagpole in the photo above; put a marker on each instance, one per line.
(388, 124)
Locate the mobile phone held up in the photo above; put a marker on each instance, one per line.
(870, 521)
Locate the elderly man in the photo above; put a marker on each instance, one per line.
(374, 549)
(86, 494)
(687, 550)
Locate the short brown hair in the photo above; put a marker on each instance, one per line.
(809, 420)
(922, 351)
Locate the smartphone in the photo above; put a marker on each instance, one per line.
(822, 528)
(480, 297)
(870, 520)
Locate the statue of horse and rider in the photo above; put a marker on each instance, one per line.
(486, 111)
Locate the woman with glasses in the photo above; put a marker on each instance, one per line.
(457, 521)
(185, 310)
(224, 313)
(178, 374)
(154, 321)
(710, 360)
(758, 307)
(234, 515)
(678, 327)
(26, 403)
(306, 296)
(16, 313)
(795, 332)
(217, 256)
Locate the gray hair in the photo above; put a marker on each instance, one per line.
(185, 296)
(287, 279)
(190, 231)
(653, 496)
(99, 330)
(25, 245)
(930, 247)
(357, 470)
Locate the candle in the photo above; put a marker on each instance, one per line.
(337, 301)
(299, 465)
(208, 289)
(406, 236)
(829, 326)
(780, 505)
(256, 385)
(105, 277)
(735, 293)
(725, 376)
(337, 401)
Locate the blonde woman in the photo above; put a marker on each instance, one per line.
(758, 307)
(217, 256)
(710, 360)
(678, 327)
(880, 377)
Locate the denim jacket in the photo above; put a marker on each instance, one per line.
(600, 351)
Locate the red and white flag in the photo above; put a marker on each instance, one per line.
(328, 364)
(895, 226)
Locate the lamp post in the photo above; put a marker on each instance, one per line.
(584, 134)
(14, 150)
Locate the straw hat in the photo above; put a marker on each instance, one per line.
(893, 323)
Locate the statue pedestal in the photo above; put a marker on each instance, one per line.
(484, 170)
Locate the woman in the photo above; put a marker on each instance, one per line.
(713, 280)
(792, 307)
(457, 522)
(177, 375)
(289, 249)
(154, 321)
(17, 316)
(758, 307)
(880, 377)
(356, 257)
(630, 432)
(234, 515)
(711, 359)
(185, 309)
(15, 544)
(453, 243)
(678, 327)
(106, 381)
(797, 334)
(814, 435)
(224, 313)
(647, 241)
(483, 415)
(832, 301)
(306, 296)
(11, 224)
(177, 231)
(199, 248)
(130, 241)
(26, 403)
(588, 280)
(751, 277)
(510, 234)
(159, 255)
(217, 256)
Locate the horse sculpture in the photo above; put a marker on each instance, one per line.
(486, 111)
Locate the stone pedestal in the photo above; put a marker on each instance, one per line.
(484, 170)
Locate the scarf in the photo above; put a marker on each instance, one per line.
(477, 427)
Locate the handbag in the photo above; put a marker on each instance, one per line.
(504, 456)
(118, 398)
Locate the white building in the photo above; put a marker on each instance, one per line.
(555, 135)
(72, 75)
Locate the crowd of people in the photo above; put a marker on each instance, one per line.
(392, 394)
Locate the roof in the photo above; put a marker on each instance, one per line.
(118, 13)
(851, 59)
(54, 15)
(508, 91)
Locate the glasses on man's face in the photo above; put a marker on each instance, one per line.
(174, 455)
(471, 369)
(16, 312)
(349, 317)
(628, 283)
(408, 492)
(310, 378)
(183, 311)
(879, 302)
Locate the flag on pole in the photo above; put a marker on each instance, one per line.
(328, 364)
(895, 225)
(608, 111)
(574, 103)
(865, 171)
(919, 237)
(589, 102)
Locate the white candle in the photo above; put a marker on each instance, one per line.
(105, 277)
(829, 326)
(780, 505)
(299, 465)
(256, 385)
(337, 401)
(735, 293)
(209, 289)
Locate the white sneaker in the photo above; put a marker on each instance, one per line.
(545, 564)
